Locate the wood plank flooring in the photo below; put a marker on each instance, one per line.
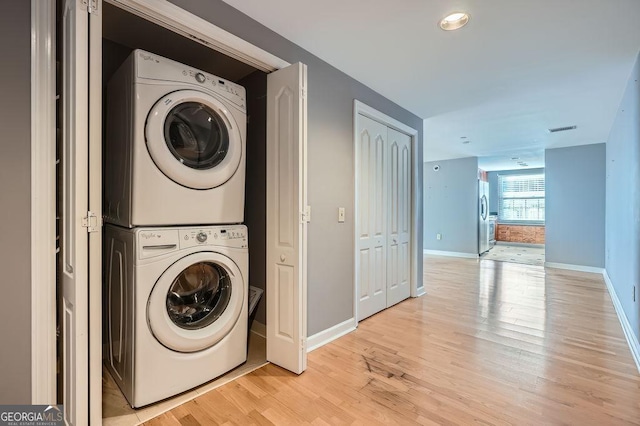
(491, 343)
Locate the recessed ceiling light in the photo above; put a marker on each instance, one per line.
(515, 158)
(463, 137)
(466, 142)
(454, 21)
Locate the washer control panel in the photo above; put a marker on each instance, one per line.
(229, 236)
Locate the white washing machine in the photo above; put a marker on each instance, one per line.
(176, 312)
(175, 145)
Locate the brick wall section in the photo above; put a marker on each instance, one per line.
(520, 233)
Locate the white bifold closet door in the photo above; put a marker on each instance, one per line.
(383, 188)
(81, 242)
(371, 190)
(398, 183)
(287, 218)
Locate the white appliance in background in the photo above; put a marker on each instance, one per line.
(176, 307)
(175, 145)
(483, 216)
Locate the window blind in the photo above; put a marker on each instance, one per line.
(521, 198)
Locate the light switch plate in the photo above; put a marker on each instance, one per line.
(341, 214)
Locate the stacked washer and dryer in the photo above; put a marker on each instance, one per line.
(176, 254)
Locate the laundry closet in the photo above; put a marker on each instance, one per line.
(176, 253)
(138, 369)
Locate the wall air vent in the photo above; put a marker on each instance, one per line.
(562, 129)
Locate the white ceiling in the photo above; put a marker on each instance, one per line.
(518, 68)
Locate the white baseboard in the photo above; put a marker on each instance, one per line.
(508, 243)
(421, 292)
(451, 254)
(330, 334)
(632, 340)
(259, 328)
(569, 267)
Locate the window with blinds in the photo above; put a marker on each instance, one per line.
(521, 198)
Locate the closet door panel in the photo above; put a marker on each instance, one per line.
(399, 237)
(371, 264)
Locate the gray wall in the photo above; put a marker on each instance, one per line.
(331, 158)
(494, 198)
(15, 199)
(575, 205)
(451, 205)
(622, 254)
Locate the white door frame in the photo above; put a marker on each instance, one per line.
(43, 202)
(180, 21)
(43, 193)
(360, 108)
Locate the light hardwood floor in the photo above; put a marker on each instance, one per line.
(116, 411)
(490, 343)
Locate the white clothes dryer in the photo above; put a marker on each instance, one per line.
(175, 145)
(176, 307)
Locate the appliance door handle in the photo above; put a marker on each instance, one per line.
(483, 207)
(160, 247)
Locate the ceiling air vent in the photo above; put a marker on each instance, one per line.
(562, 129)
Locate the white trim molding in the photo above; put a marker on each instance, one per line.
(451, 254)
(43, 203)
(374, 114)
(632, 340)
(182, 22)
(569, 267)
(330, 334)
(509, 243)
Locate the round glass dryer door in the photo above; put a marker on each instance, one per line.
(196, 135)
(193, 139)
(196, 302)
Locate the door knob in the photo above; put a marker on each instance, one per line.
(283, 257)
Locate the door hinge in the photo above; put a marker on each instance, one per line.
(92, 222)
(305, 216)
(303, 345)
(92, 7)
(303, 92)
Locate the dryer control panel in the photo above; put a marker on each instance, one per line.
(155, 67)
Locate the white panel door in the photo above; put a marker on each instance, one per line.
(75, 203)
(399, 223)
(286, 218)
(371, 209)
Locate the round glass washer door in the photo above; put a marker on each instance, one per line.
(193, 139)
(196, 302)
